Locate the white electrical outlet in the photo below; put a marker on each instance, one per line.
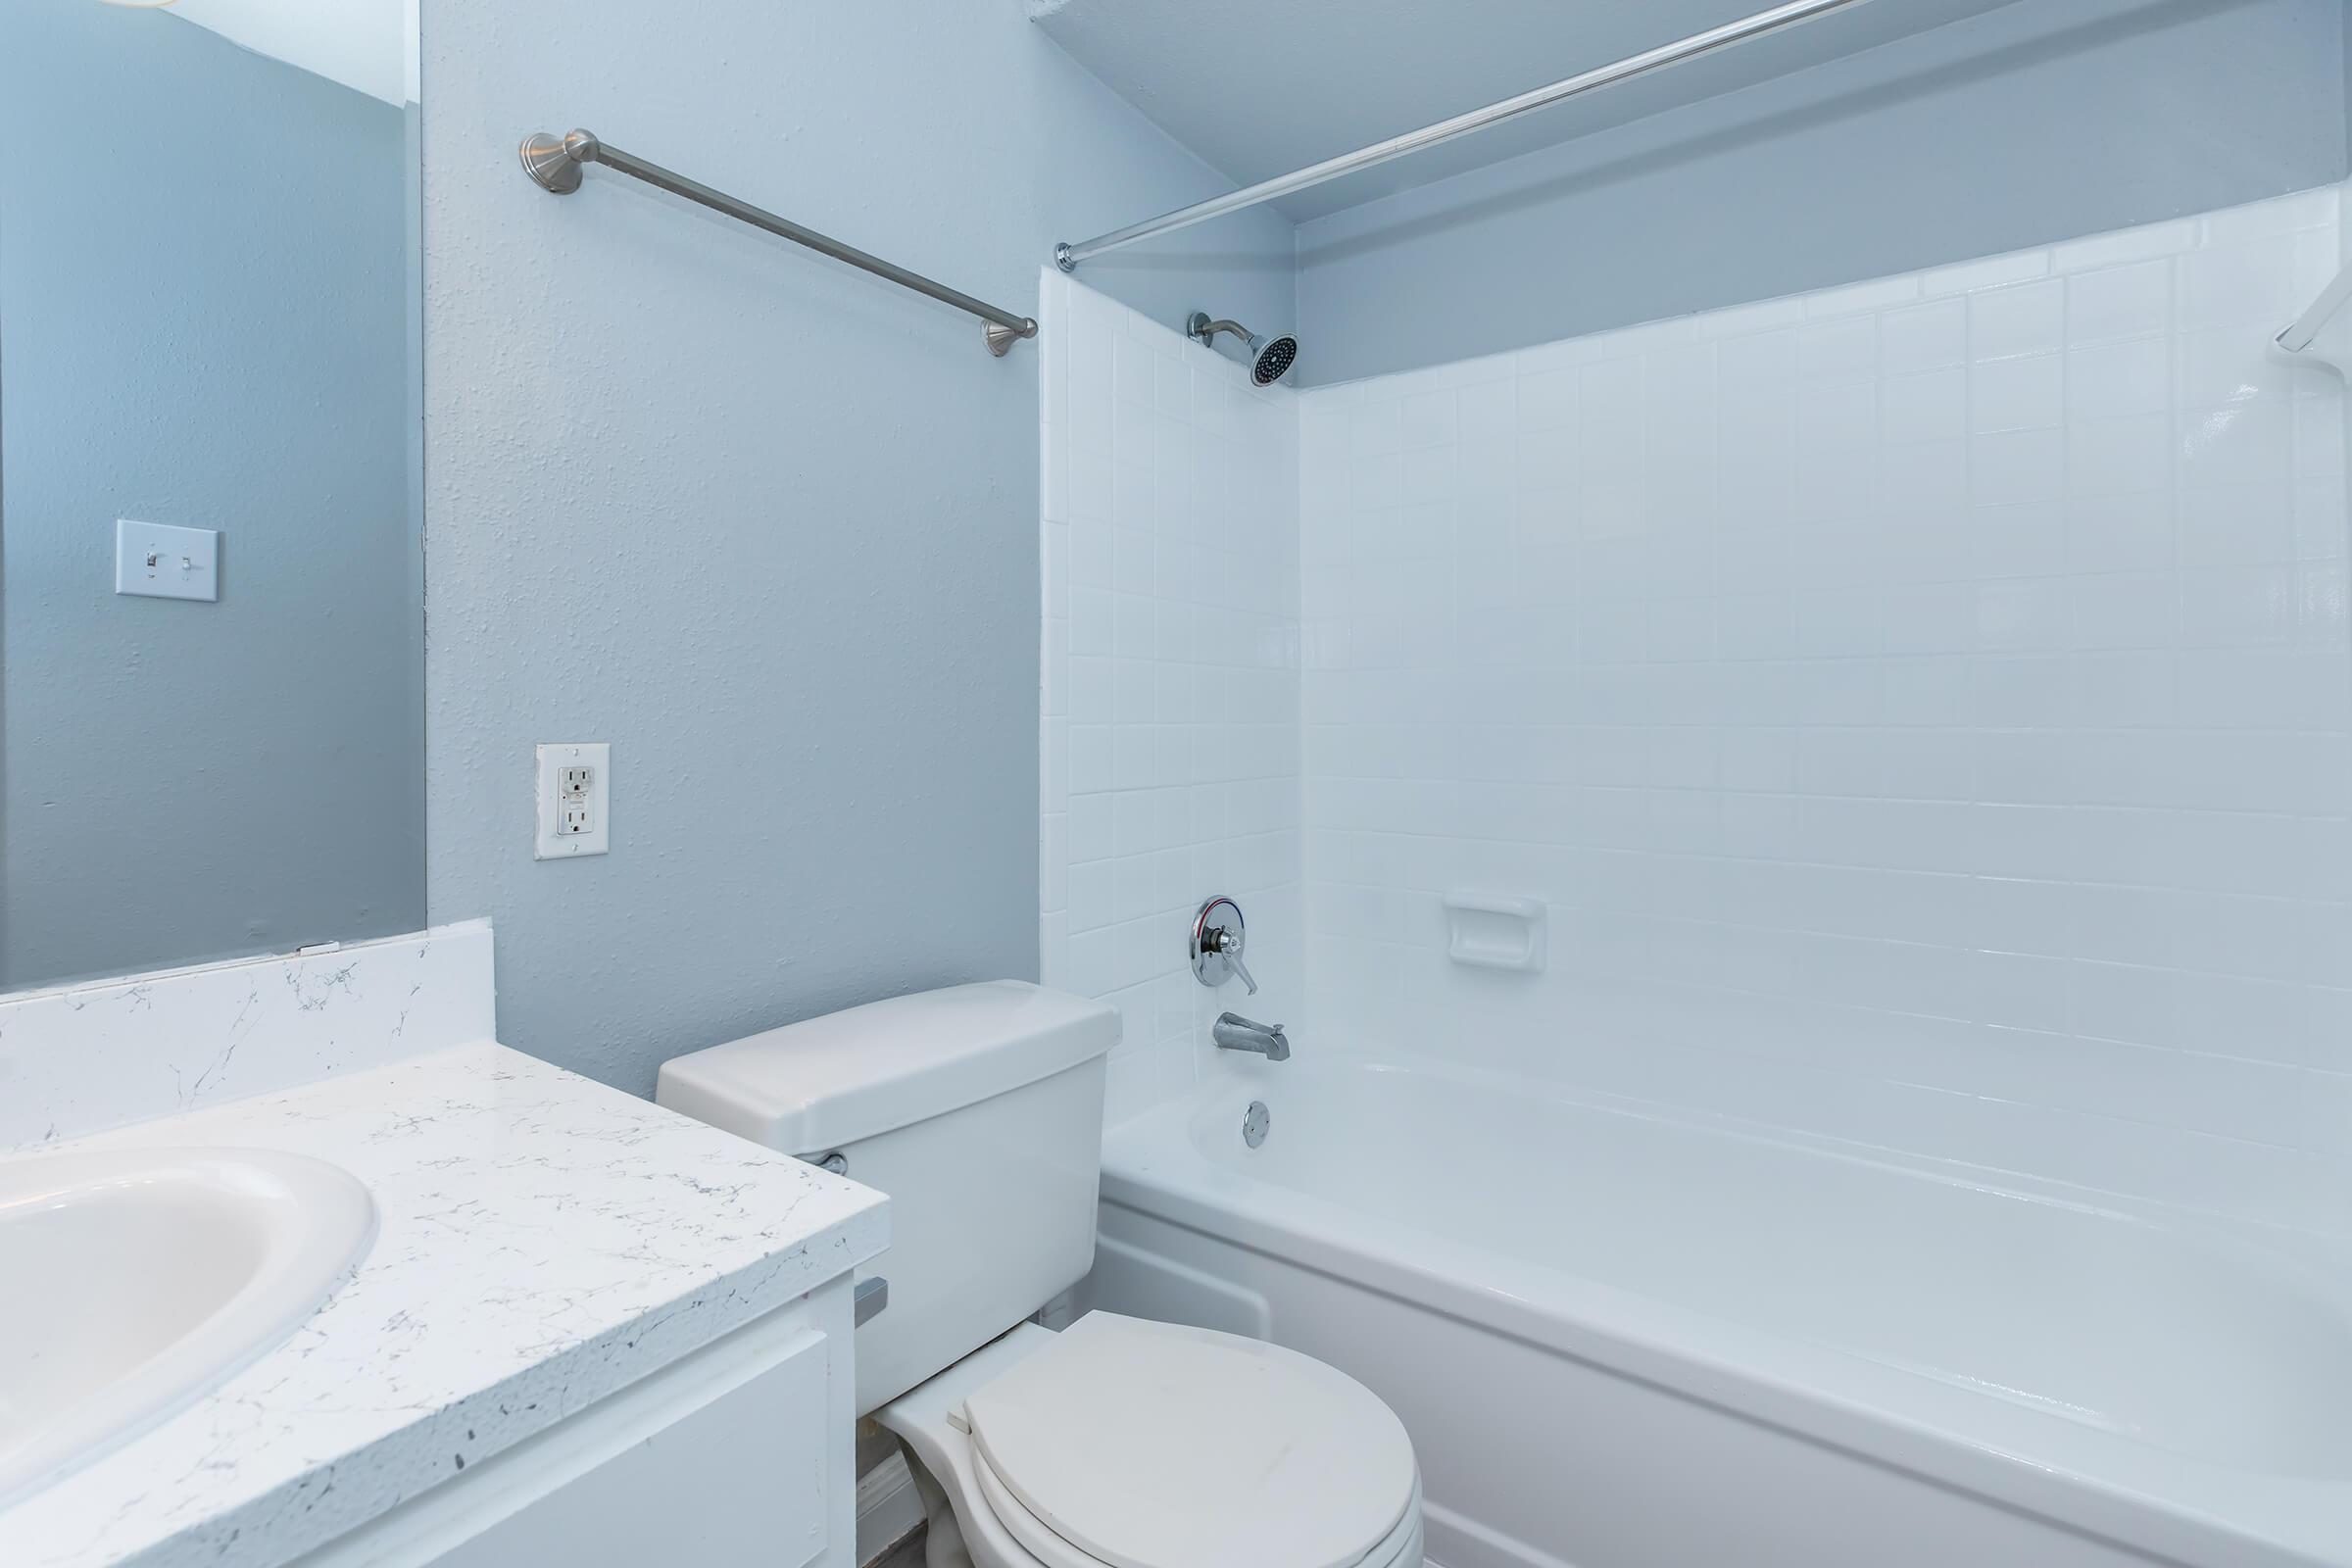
(576, 794)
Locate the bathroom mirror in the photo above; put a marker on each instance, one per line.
(211, 741)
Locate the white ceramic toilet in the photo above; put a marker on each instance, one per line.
(1117, 1441)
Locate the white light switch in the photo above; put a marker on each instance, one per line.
(576, 794)
(162, 562)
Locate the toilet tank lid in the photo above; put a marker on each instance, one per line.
(812, 1087)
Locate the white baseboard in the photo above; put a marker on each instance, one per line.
(888, 1508)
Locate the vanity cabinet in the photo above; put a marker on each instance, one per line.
(737, 1454)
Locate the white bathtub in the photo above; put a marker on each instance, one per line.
(1621, 1339)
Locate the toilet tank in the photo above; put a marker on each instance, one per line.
(978, 1109)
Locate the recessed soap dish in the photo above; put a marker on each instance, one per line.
(1495, 931)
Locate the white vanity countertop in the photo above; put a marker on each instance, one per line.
(543, 1241)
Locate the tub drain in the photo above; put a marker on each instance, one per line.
(1255, 1122)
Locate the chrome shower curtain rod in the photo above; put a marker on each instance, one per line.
(555, 163)
(1067, 256)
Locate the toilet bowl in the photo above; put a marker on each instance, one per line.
(1119, 1443)
(1127, 1443)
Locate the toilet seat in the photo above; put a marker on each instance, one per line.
(1401, 1549)
(1129, 1444)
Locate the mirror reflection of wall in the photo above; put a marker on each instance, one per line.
(208, 320)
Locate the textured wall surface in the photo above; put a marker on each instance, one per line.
(1171, 682)
(218, 342)
(1922, 706)
(765, 524)
(2040, 121)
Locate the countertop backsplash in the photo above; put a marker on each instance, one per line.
(86, 1057)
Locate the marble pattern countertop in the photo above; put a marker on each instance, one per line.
(543, 1241)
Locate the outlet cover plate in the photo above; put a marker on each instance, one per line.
(562, 836)
(163, 560)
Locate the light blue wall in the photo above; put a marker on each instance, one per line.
(203, 322)
(2043, 121)
(767, 526)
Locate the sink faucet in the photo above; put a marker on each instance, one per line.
(1233, 1032)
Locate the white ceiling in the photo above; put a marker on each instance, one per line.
(368, 44)
(1261, 87)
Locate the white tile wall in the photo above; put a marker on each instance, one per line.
(1171, 726)
(1926, 706)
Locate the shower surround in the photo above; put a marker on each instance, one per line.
(1923, 708)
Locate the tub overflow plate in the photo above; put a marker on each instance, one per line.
(1255, 1122)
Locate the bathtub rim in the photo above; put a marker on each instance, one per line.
(2099, 1484)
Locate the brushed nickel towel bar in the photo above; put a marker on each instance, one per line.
(1067, 256)
(555, 163)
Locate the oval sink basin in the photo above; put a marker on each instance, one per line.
(133, 1281)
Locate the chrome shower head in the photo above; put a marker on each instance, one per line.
(1274, 361)
(1274, 356)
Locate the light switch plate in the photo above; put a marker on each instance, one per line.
(159, 561)
(575, 799)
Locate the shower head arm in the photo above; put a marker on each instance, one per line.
(1205, 331)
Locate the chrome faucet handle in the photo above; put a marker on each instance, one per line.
(1242, 970)
(1215, 950)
